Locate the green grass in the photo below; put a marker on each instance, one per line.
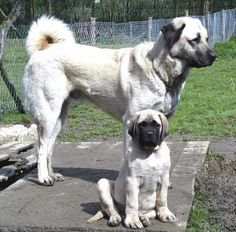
(199, 219)
(15, 118)
(86, 122)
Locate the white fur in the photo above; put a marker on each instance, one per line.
(120, 82)
(47, 26)
(142, 185)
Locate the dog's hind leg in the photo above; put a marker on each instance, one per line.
(44, 131)
(59, 124)
(105, 189)
(49, 124)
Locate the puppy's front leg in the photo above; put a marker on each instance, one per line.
(132, 205)
(163, 212)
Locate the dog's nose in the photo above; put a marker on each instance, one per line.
(212, 56)
(150, 133)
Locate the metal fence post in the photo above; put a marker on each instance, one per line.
(149, 28)
(223, 24)
(131, 30)
(2, 39)
(93, 31)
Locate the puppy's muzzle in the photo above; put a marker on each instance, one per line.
(149, 139)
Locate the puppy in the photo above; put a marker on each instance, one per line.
(141, 187)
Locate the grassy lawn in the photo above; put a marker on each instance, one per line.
(207, 109)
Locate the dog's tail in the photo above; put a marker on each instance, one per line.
(46, 31)
(99, 215)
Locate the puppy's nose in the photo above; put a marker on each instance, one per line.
(150, 133)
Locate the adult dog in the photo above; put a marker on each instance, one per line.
(121, 82)
(142, 184)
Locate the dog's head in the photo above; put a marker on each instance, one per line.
(187, 39)
(148, 128)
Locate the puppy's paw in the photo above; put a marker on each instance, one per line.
(114, 220)
(145, 220)
(57, 177)
(165, 215)
(47, 181)
(132, 221)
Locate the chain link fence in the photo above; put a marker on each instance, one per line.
(221, 27)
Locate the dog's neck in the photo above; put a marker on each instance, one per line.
(171, 70)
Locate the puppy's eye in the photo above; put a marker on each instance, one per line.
(155, 123)
(143, 124)
(207, 39)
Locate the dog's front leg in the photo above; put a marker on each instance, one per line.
(127, 138)
(132, 205)
(163, 212)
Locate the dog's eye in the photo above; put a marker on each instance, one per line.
(196, 40)
(143, 124)
(155, 123)
(207, 39)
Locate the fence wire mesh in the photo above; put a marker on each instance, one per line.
(221, 27)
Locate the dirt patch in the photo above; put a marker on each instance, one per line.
(218, 179)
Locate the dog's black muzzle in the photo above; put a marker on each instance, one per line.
(149, 139)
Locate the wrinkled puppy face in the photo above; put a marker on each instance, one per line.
(148, 128)
(187, 39)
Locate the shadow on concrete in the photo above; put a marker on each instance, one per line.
(91, 207)
(88, 174)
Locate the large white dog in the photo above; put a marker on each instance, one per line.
(141, 187)
(121, 82)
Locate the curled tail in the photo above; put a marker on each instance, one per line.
(46, 31)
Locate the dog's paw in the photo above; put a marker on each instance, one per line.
(145, 220)
(57, 177)
(165, 215)
(114, 220)
(47, 181)
(132, 221)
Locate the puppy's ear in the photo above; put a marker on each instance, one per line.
(171, 34)
(132, 126)
(164, 122)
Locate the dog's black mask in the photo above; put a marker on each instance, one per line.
(149, 134)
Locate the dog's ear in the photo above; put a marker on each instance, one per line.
(132, 126)
(164, 122)
(171, 34)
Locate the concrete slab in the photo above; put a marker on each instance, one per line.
(27, 206)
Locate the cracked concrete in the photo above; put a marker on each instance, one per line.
(27, 206)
